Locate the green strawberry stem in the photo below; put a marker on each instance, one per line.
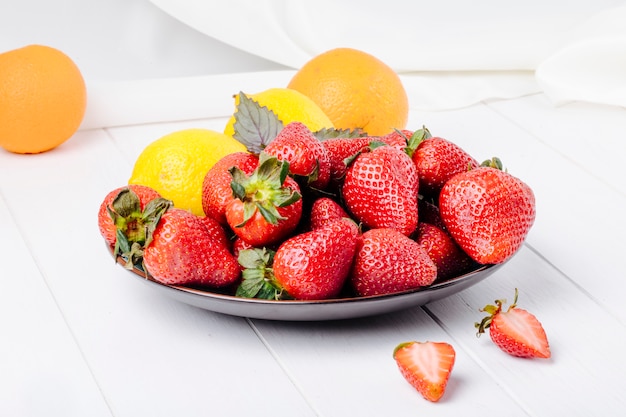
(263, 190)
(494, 162)
(416, 138)
(134, 227)
(258, 279)
(492, 310)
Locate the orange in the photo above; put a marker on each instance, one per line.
(42, 99)
(355, 90)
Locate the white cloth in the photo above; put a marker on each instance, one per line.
(452, 53)
(164, 60)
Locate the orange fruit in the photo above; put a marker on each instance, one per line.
(42, 99)
(355, 90)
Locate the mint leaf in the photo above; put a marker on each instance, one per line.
(255, 125)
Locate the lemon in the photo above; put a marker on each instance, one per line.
(175, 165)
(290, 106)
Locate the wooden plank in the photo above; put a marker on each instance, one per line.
(42, 367)
(150, 355)
(574, 207)
(583, 377)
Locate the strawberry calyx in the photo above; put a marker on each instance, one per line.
(494, 162)
(258, 279)
(415, 140)
(492, 311)
(263, 190)
(370, 147)
(134, 227)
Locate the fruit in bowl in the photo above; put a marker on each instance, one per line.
(304, 231)
(292, 205)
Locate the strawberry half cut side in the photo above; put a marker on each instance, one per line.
(426, 366)
(515, 331)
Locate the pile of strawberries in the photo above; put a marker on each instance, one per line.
(319, 215)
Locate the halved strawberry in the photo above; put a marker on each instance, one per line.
(426, 366)
(515, 331)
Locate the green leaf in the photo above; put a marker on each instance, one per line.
(333, 133)
(258, 278)
(255, 125)
(418, 137)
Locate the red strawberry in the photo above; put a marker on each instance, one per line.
(267, 205)
(216, 191)
(380, 189)
(216, 230)
(182, 252)
(515, 331)
(429, 213)
(323, 210)
(314, 265)
(306, 155)
(437, 160)
(450, 260)
(488, 212)
(426, 366)
(341, 148)
(123, 208)
(388, 261)
(397, 138)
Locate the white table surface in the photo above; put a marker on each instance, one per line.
(82, 337)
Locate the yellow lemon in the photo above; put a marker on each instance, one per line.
(175, 165)
(290, 106)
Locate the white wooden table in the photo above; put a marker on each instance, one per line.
(80, 336)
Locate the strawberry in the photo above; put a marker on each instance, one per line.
(488, 212)
(182, 252)
(323, 210)
(426, 366)
(380, 189)
(397, 138)
(306, 155)
(437, 160)
(216, 230)
(429, 213)
(515, 331)
(388, 261)
(267, 205)
(123, 208)
(339, 149)
(450, 260)
(216, 191)
(314, 265)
